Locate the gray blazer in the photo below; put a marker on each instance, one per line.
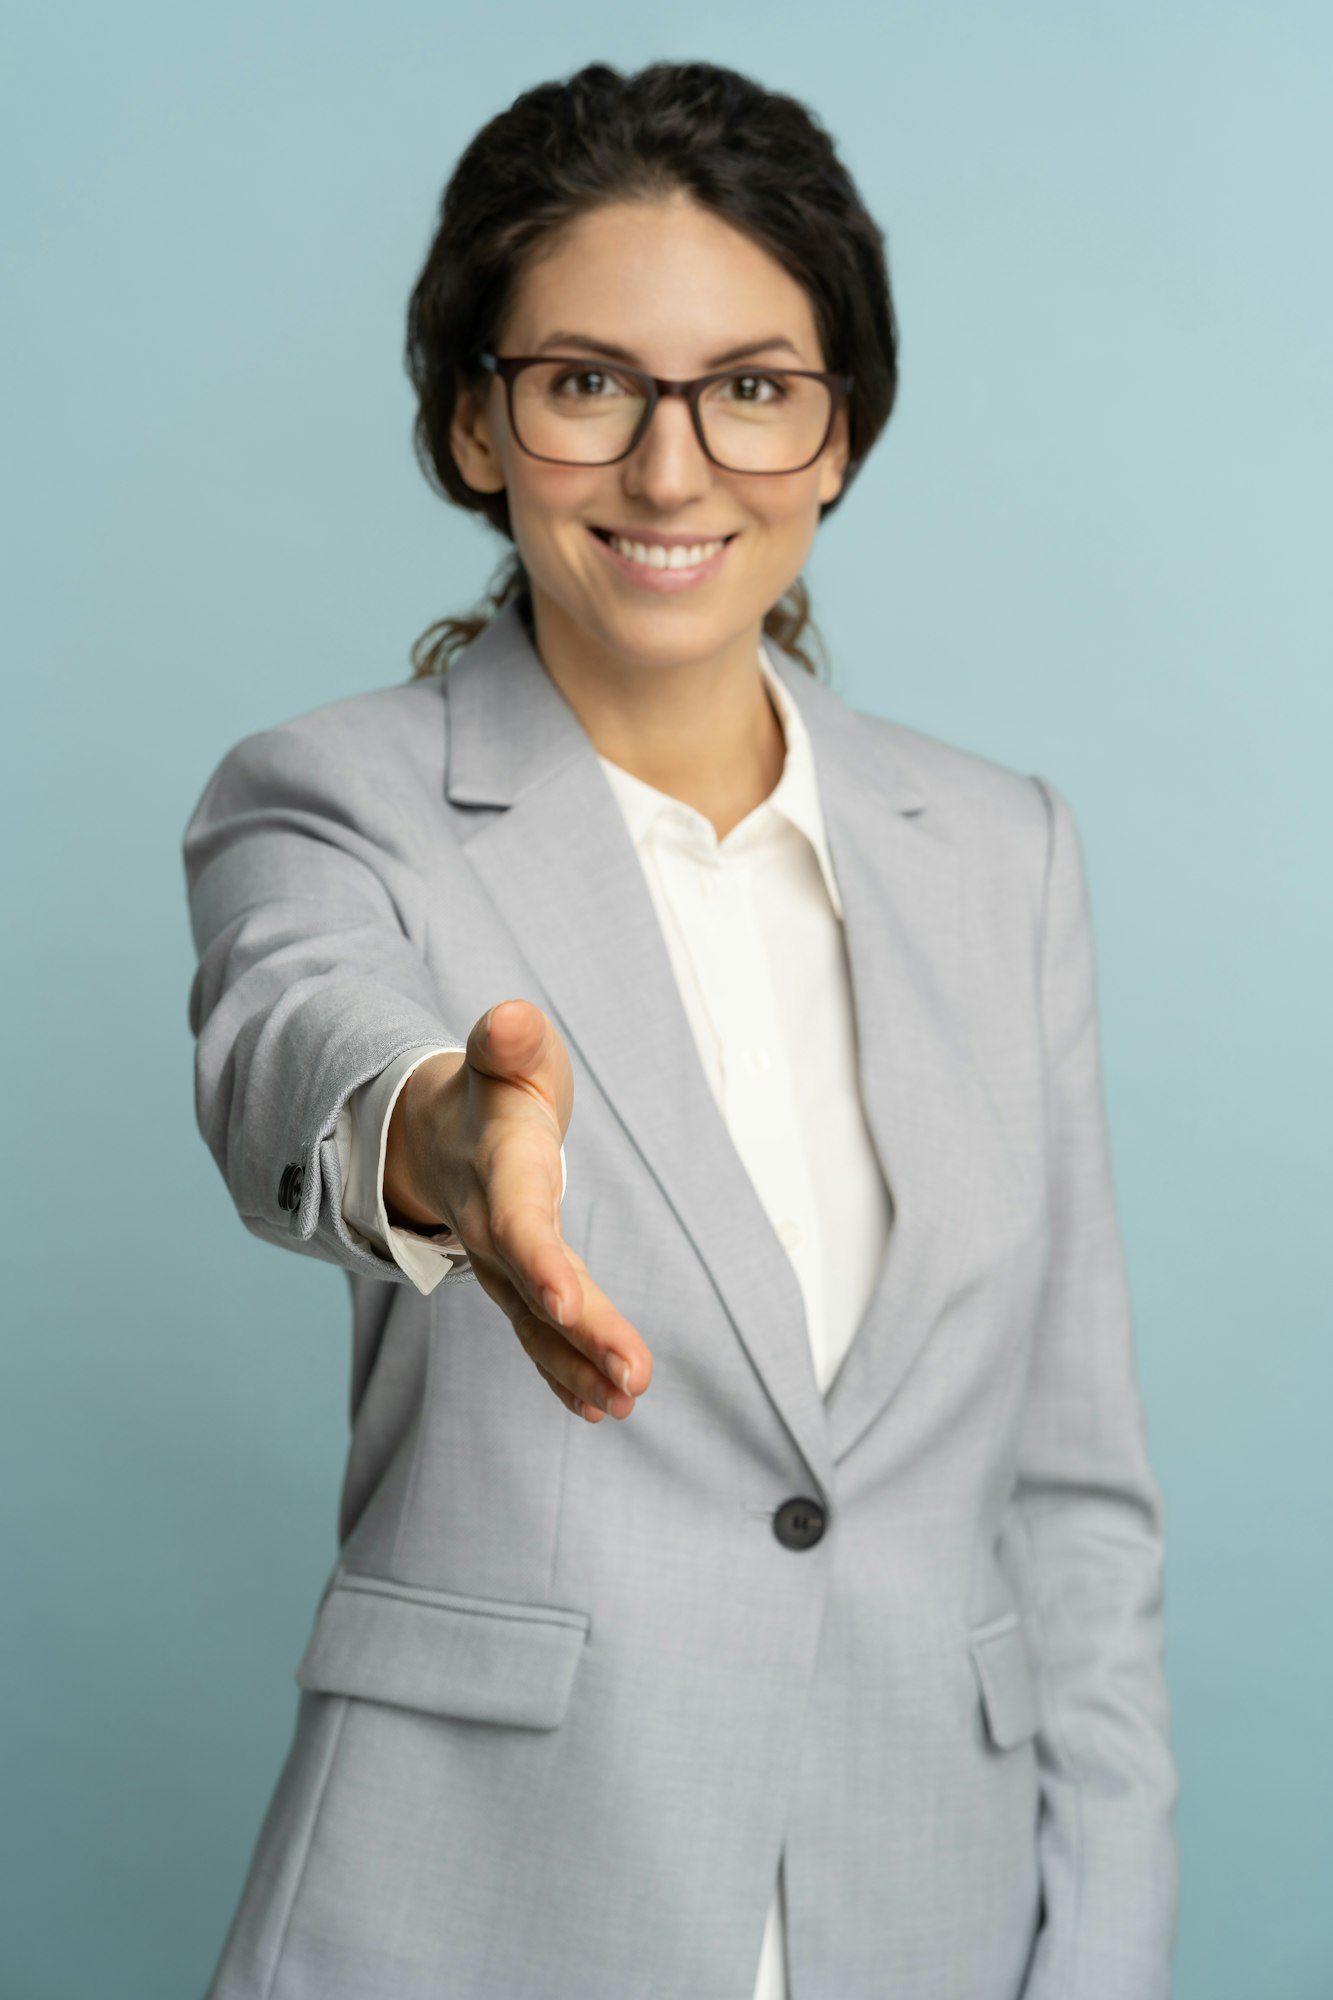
(572, 1692)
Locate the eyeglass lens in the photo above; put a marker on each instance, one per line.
(587, 414)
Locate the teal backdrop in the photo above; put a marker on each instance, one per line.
(1093, 543)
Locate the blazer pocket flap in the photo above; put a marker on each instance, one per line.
(483, 1659)
(1008, 1694)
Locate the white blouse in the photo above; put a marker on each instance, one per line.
(753, 926)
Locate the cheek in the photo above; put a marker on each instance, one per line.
(786, 507)
(548, 504)
(786, 520)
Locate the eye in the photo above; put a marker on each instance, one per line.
(582, 375)
(772, 383)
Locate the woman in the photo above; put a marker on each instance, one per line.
(832, 1666)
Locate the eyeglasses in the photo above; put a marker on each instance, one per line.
(751, 420)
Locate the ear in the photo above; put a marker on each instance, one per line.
(833, 463)
(472, 437)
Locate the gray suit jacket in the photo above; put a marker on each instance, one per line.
(572, 1691)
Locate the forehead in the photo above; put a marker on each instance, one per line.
(668, 279)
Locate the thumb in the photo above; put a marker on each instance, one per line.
(508, 1036)
(515, 1042)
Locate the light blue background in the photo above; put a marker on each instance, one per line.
(1093, 543)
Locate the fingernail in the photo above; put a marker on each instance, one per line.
(620, 1371)
(554, 1306)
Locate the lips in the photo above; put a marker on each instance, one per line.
(651, 541)
(664, 578)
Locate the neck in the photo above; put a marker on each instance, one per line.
(702, 729)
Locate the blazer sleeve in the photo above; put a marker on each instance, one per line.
(1085, 1527)
(306, 904)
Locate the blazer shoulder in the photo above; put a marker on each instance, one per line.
(999, 820)
(971, 789)
(405, 716)
(381, 740)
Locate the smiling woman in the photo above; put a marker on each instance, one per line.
(830, 1664)
(609, 251)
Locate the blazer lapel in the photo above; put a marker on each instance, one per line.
(898, 874)
(561, 869)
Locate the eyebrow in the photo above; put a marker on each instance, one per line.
(588, 345)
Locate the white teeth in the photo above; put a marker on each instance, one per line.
(655, 556)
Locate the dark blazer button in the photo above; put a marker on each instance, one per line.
(798, 1524)
(289, 1187)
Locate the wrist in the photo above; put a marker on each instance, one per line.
(410, 1143)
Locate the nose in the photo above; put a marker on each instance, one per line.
(668, 464)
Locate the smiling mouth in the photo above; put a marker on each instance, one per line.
(605, 535)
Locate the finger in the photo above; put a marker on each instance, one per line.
(525, 1240)
(613, 1341)
(552, 1279)
(588, 1411)
(583, 1376)
(548, 1349)
(522, 1183)
(605, 1336)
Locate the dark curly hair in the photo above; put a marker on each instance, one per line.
(757, 158)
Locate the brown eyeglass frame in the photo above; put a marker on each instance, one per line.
(507, 366)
